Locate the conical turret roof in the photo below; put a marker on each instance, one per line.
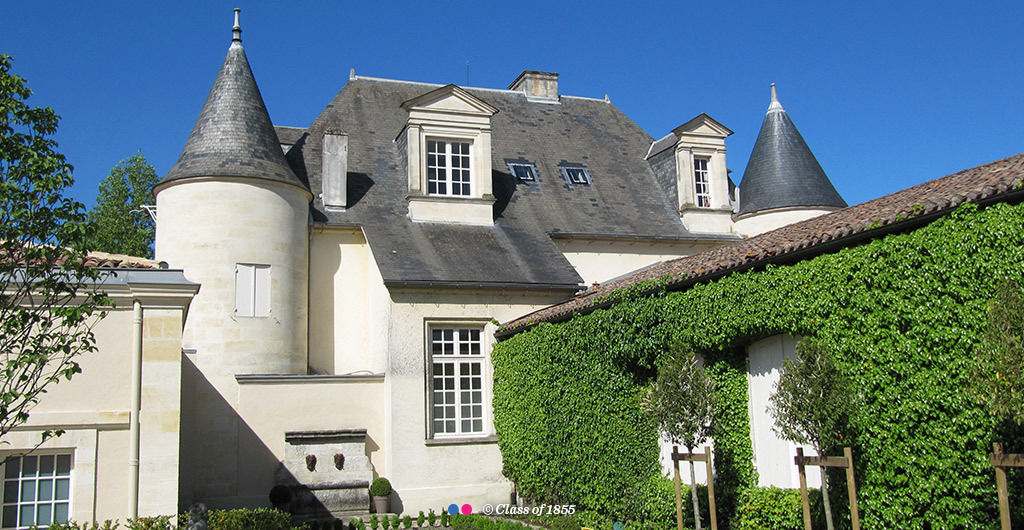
(233, 136)
(782, 171)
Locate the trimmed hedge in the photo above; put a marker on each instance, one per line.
(902, 315)
(777, 509)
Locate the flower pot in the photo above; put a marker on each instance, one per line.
(380, 504)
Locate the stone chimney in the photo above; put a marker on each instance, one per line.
(536, 84)
(334, 174)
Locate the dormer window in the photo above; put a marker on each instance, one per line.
(576, 174)
(448, 168)
(447, 148)
(523, 170)
(701, 182)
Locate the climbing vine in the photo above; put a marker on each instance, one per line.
(903, 315)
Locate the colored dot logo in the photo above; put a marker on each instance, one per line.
(454, 509)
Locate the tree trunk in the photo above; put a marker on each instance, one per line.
(693, 495)
(824, 498)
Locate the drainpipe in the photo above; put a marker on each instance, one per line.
(134, 427)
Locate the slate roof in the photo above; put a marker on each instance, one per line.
(1002, 180)
(624, 199)
(233, 136)
(782, 171)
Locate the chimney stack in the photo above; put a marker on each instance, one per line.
(334, 175)
(536, 84)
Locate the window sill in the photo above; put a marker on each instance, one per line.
(455, 210)
(461, 441)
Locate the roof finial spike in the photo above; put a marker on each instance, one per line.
(237, 30)
(775, 105)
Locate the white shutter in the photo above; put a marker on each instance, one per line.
(243, 290)
(261, 307)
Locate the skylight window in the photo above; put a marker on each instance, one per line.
(576, 174)
(523, 170)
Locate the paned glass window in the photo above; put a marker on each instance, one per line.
(576, 174)
(701, 182)
(523, 171)
(457, 395)
(36, 491)
(448, 168)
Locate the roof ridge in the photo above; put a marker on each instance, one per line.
(879, 216)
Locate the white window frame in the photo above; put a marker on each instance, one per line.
(458, 361)
(701, 182)
(531, 170)
(252, 290)
(20, 480)
(579, 171)
(446, 161)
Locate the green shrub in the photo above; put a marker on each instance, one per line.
(777, 509)
(380, 487)
(431, 517)
(445, 518)
(149, 523)
(374, 522)
(395, 522)
(250, 519)
(407, 521)
(565, 523)
(420, 518)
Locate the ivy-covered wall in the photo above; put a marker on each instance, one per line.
(902, 314)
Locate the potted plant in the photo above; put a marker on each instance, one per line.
(380, 492)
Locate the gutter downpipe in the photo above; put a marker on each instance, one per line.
(134, 426)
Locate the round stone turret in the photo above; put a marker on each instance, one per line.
(232, 214)
(783, 182)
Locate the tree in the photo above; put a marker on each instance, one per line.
(46, 303)
(682, 401)
(122, 225)
(999, 370)
(812, 405)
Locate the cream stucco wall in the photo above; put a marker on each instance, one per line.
(93, 409)
(758, 223)
(599, 260)
(426, 475)
(206, 227)
(271, 406)
(347, 331)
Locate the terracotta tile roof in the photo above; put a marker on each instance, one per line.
(996, 181)
(103, 260)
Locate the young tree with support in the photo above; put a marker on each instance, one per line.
(682, 401)
(999, 378)
(812, 405)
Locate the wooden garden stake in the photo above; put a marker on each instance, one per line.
(845, 461)
(679, 496)
(851, 489)
(711, 488)
(803, 488)
(694, 457)
(1000, 461)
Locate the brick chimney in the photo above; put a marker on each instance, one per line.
(536, 84)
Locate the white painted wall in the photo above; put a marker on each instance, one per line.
(599, 260)
(761, 222)
(773, 457)
(349, 304)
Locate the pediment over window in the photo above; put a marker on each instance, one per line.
(450, 98)
(703, 125)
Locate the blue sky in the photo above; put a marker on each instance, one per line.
(887, 94)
